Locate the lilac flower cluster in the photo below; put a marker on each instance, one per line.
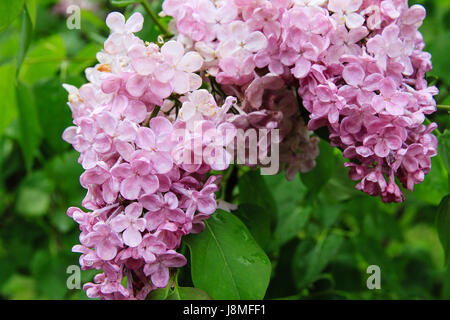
(358, 66)
(142, 194)
(149, 134)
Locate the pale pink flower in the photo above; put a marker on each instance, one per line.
(137, 176)
(116, 22)
(104, 240)
(131, 224)
(240, 42)
(200, 104)
(389, 45)
(162, 209)
(180, 67)
(159, 270)
(345, 11)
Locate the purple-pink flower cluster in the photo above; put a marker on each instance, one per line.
(143, 195)
(357, 65)
(154, 120)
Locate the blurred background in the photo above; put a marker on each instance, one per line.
(39, 176)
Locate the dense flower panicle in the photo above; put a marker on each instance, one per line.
(141, 195)
(270, 104)
(358, 65)
(374, 104)
(154, 120)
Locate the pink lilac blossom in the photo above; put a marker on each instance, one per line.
(374, 104)
(141, 199)
(359, 69)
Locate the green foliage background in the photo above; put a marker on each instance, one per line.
(318, 232)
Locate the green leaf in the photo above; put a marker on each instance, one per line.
(6, 268)
(253, 189)
(9, 10)
(49, 272)
(340, 187)
(257, 220)
(188, 293)
(445, 295)
(8, 110)
(33, 199)
(19, 287)
(32, 202)
(9, 45)
(289, 198)
(51, 104)
(89, 17)
(60, 220)
(439, 48)
(84, 58)
(159, 294)
(43, 59)
(316, 179)
(289, 194)
(64, 171)
(26, 36)
(21, 248)
(435, 185)
(30, 131)
(31, 6)
(310, 260)
(226, 261)
(444, 148)
(291, 224)
(443, 225)
(327, 213)
(282, 281)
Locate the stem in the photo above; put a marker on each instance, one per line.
(217, 90)
(177, 109)
(443, 108)
(155, 18)
(231, 184)
(155, 112)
